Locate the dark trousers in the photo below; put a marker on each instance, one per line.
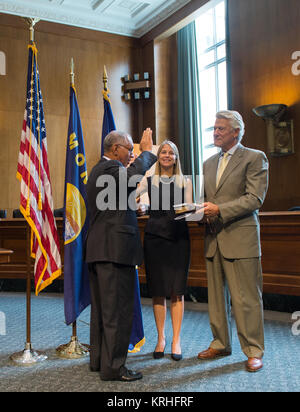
(112, 303)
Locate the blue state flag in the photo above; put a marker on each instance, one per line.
(108, 119)
(137, 338)
(76, 278)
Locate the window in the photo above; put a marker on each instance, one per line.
(212, 63)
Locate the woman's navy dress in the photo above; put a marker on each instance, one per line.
(166, 241)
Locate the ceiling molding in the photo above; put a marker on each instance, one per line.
(132, 18)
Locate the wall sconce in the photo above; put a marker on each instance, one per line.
(136, 88)
(280, 134)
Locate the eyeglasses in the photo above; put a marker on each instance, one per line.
(130, 150)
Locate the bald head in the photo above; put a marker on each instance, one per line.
(118, 146)
(116, 137)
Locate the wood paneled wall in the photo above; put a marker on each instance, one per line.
(263, 36)
(56, 45)
(165, 53)
(147, 107)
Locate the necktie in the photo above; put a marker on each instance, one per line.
(222, 167)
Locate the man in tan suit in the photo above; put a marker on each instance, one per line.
(235, 182)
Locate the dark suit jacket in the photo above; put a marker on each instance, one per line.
(113, 234)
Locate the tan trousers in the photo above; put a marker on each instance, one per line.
(240, 279)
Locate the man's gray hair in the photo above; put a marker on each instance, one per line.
(236, 121)
(115, 137)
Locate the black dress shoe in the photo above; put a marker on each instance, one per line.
(126, 376)
(130, 376)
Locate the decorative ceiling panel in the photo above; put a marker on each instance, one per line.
(126, 17)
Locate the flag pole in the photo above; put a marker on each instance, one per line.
(74, 349)
(105, 78)
(28, 356)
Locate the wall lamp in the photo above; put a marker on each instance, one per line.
(280, 133)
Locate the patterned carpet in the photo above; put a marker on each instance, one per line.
(281, 371)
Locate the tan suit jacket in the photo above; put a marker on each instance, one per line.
(239, 195)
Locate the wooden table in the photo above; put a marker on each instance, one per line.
(5, 255)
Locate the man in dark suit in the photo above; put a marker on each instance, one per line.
(235, 182)
(113, 249)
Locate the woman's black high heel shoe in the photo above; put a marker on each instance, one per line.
(159, 355)
(176, 357)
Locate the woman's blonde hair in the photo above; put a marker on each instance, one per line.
(177, 171)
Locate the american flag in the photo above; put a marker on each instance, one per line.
(36, 202)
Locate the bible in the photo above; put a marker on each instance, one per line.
(184, 210)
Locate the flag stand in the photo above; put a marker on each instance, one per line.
(28, 356)
(74, 349)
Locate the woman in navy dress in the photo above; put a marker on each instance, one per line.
(167, 244)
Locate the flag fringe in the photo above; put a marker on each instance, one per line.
(39, 286)
(106, 95)
(138, 346)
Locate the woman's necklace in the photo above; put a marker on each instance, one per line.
(167, 179)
